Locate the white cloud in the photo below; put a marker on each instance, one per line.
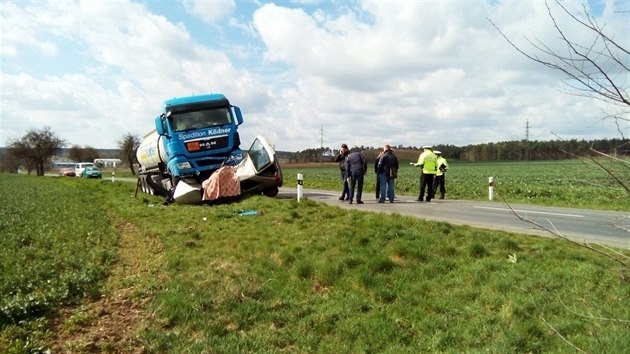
(366, 73)
(210, 11)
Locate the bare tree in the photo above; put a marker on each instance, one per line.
(90, 154)
(75, 153)
(595, 67)
(36, 148)
(127, 146)
(78, 153)
(10, 163)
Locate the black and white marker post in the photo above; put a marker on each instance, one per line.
(300, 185)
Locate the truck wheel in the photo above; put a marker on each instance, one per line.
(271, 192)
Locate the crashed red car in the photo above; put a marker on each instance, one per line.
(67, 171)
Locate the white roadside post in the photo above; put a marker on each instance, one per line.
(300, 183)
(491, 188)
(113, 176)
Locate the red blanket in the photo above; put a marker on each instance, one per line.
(222, 183)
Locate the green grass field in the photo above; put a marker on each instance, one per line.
(85, 267)
(571, 183)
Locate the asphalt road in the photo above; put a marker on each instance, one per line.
(592, 226)
(581, 225)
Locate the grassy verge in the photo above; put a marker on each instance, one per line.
(306, 277)
(310, 278)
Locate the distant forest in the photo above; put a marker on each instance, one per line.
(521, 150)
(502, 151)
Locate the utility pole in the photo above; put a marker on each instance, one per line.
(321, 138)
(321, 143)
(527, 140)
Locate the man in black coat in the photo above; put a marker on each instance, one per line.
(341, 159)
(356, 167)
(387, 172)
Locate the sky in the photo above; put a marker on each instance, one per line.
(305, 73)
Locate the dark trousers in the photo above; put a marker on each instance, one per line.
(426, 182)
(346, 190)
(438, 183)
(356, 179)
(378, 187)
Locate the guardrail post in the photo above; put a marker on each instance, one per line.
(300, 183)
(113, 176)
(491, 188)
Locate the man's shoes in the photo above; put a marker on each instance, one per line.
(350, 201)
(341, 198)
(391, 201)
(381, 201)
(428, 199)
(359, 202)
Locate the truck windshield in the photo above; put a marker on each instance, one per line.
(200, 119)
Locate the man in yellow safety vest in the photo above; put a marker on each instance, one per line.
(440, 181)
(428, 162)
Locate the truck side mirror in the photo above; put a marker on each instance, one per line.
(239, 115)
(159, 124)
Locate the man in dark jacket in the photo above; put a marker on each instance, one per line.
(387, 173)
(341, 159)
(356, 167)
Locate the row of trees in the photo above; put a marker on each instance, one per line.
(35, 150)
(502, 151)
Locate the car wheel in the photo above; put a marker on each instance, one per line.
(271, 192)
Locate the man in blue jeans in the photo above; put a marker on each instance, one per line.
(356, 167)
(387, 173)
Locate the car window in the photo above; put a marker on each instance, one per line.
(259, 155)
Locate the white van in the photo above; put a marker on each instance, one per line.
(78, 168)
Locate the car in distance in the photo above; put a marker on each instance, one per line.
(67, 171)
(79, 167)
(91, 172)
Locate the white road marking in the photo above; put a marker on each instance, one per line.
(530, 211)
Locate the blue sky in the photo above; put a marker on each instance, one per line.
(365, 73)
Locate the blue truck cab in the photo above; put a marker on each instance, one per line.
(201, 133)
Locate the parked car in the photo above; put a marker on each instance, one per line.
(79, 167)
(91, 172)
(67, 171)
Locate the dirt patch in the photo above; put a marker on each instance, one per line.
(112, 323)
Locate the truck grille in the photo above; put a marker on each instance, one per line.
(218, 142)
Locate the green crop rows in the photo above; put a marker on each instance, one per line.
(55, 248)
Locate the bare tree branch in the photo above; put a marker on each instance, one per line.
(556, 233)
(561, 336)
(598, 69)
(592, 317)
